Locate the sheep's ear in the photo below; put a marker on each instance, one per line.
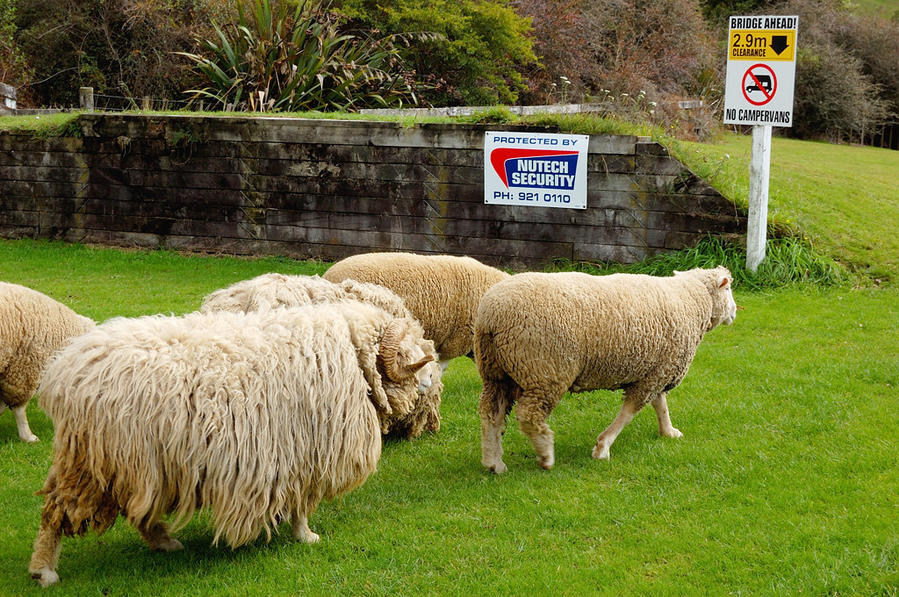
(723, 282)
(414, 367)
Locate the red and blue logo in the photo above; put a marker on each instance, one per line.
(535, 168)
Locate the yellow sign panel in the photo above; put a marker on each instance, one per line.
(762, 44)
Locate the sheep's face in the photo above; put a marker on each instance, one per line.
(410, 371)
(725, 310)
(718, 282)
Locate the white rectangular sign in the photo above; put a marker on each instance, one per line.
(761, 70)
(535, 169)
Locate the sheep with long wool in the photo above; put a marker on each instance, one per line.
(255, 416)
(32, 327)
(274, 290)
(538, 335)
(441, 291)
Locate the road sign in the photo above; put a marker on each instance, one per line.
(761, 70)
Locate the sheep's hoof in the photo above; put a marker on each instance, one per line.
(45, 577)
(547, 463)
(307, 536)
(672, 433)
(601, 453)
(31, 439)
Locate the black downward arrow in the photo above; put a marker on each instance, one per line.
(778, 43)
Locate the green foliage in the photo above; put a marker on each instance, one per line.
(477, 56)
(278, 57)
(14, 68)
(118, 48)
(788, 261)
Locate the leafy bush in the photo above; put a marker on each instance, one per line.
(13, 66)
(833, 99)
(120, 48)
(637, 57)
(477, 57)
(278, 57)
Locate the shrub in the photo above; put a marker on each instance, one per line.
(278, 57)
(476, 60)
(636, 56)
(120, 48)
(838, 96)
(13, 66)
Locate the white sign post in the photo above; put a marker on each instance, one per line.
(535, 169)
(761, 72)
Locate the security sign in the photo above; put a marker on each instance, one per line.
(535, 169)
(761, 70)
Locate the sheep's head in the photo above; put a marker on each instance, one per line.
(718, 281)
(405, 362)
(724, 309)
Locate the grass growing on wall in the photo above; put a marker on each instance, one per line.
(784, 483)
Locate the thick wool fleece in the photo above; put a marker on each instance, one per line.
(539, 335)
(256, 416)
(32, 327)
(441, 291)
(270, 291)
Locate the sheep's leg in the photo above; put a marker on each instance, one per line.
(301, 530)
(532, 409)
(631, 406)
(46, 552)
(22, 424)
(494, 405)
(666, 429)
(157, 537)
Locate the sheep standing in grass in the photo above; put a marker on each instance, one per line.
(257, 416)
(441, 291)
(32, 327)
(539, 335)
(271, 291)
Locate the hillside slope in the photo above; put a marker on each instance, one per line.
(845, 199)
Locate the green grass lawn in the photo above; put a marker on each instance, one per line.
(845, 199)
(785, 482)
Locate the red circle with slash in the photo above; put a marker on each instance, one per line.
(759, 78)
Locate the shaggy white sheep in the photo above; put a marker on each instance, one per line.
(257, 416)
(539, 335)
(270, 291)
(32, 327)
(441, 291)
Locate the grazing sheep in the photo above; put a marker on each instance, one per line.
(441, 291)
(32, 327)
(270, 291)
(539, 335)
(257, 416)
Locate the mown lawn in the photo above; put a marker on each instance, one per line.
(844, 199)
(785, 482)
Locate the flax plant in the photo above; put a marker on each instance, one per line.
(278, 57)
